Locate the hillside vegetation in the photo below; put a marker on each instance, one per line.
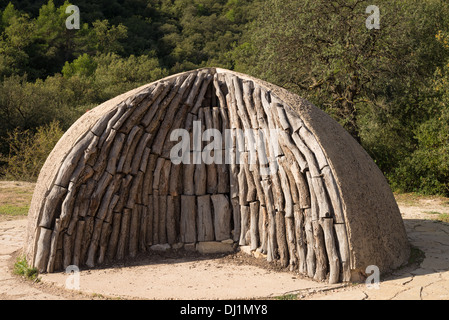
(387, 87)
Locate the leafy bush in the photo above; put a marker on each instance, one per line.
(28, 151)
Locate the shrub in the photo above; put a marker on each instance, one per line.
(28, 151)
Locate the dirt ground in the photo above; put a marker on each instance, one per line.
(187, 275)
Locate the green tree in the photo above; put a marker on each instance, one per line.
(324, 51)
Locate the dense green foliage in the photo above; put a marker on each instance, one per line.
(388, 87)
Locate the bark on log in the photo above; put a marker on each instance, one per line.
(311, 263)
(162, 219)
(236, 217)
(281, 239)
(254, 224)
(342, 238)
(271, 212)
(171, 221)
(320, 252)
(124, 234)
(291, 242)
(244, 225)
(115, 233)
(301, 246)
(331, 249)
(222, 217)
(188, 219)
(205, 223)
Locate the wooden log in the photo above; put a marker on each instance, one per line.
(119, 110)
(124, 192)
(157, 173)
(115, 233)
(294, 119)
(167, 122)
(95, 239)
(290, 147)
(254, 224)
(124, 234)
(300, 236)
(133, 155)
(188, 177)
(68, 250)
(334, 194)
(139, 153)
(219, 93)
(279, 197)
(201, 94)
(251, 192)
(162, 219)
(87, 236)
(195, 88)
(314, 207)
(115, 153)
(97, 195)
(106, 230)
(291, 242)
(205, 223)
(43, 249)
(175, 183)
(281, 239)
(101, 125)
(156, 219)
(188, 219)
(200, 179)
(52, 206)
(286, 190)
(143, 224)
(130, 143)
(320, 252)
(71, 160)
(78, 243)
(134, 231)
(245, 224)
(311, 142)
(154, 108)
(271, 212)
(164, 180)
(213, 153)
(153, 121)
(236, 217)
(242, 186)
(310, 259)
(263, 215)
(222, 217)
(331, 249)
(287, 163)
(317, 181)
(171, 221)
(303, 189)
(150, 221)
(67, 206)
(55, 237)
(102, 160)
(139, 111)
(343, 249)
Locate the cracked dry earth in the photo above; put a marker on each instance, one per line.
(223, 279)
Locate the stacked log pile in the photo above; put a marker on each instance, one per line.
(118, 192)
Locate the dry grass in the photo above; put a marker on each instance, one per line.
(415, 199)
(15, 198)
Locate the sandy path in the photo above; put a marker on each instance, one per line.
(187, 278)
